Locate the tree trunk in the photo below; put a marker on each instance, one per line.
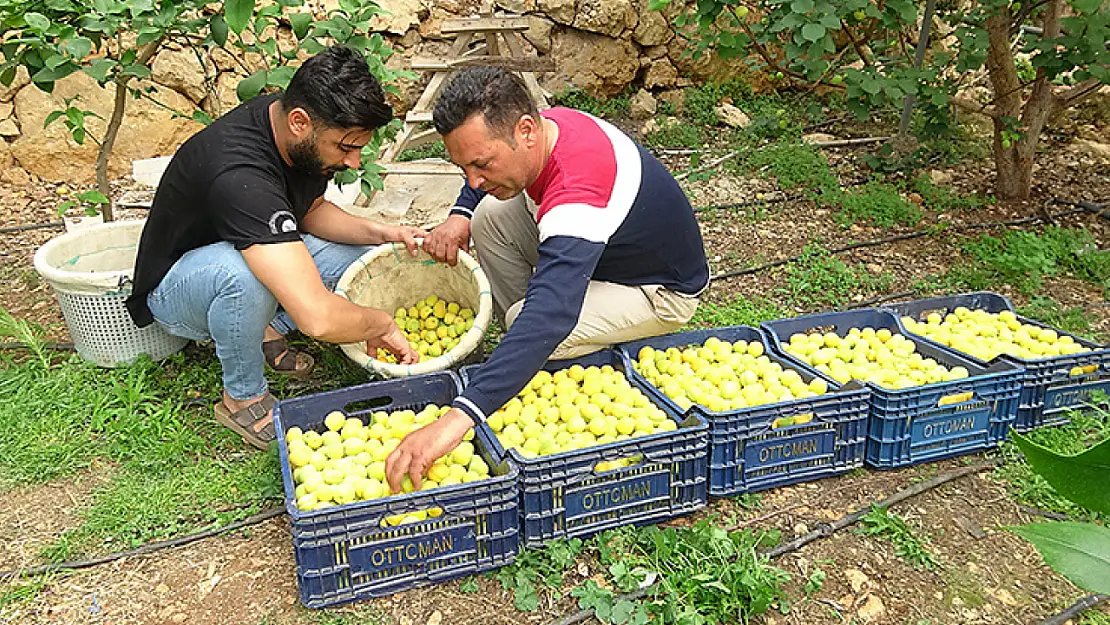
(1013, 167)
(105, 151)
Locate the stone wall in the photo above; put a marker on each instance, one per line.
(601, 46)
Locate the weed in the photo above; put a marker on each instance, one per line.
(675, 135)
(1095, 617)
(794, 166)
(598, 107)
(361, 615)
(546, 565)
(820, 278)
(964, 587)
(435, 149)
(943, 199)
(881, 522)
(1086, 428)
(1023, 259)
(705, 575)
(815, 582)
(701, 101)
(736, 311)
(1074, 320)
(877, 202)
(18, 592)
(469, 585)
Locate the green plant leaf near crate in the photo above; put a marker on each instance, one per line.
(1078, 551)
(1081, 478)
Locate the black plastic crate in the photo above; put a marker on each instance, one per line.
(1052, 386)
(344, 554)
(562, 495)
(928, 422)
(747, 452)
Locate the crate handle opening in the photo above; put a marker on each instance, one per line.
(1083, 370)
(784, 422)
(607, 466)
(367, 405)
(413, 516)
(956, 398)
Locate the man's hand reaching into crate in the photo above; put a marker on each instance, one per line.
(421, 448)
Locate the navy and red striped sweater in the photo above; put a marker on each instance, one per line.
(607, 211)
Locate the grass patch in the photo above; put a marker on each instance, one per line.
(1023, 259)
(435, 149)
(1087, 428)
(943, 199)
(18, 593)
(675, 135)
(879, 203)
(889, 525)
(795, 166)
(599, 107)
(700, 101)
(820, 278)
(1073, 320)
(738, 310)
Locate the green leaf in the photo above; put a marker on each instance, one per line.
(1078, 551)
(78, 47)
(37, 21)
(813, 32)
(52, 117)
(1081, 478)
(218, 26)
(280, 76)
(658, 5)
(301, 22)
(251, 85)
(801, 6)
(1086, 6)
(92, 197)
(64, 206)
(238, 13)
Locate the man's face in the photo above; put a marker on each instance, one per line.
(490, 163)
(329, 151)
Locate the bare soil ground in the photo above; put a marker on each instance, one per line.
(986, 575)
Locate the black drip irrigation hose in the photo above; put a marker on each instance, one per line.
(1088, 208)
(147, 548)
(1075, 609)
(42, 226)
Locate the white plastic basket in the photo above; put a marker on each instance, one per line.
(90, 270)
(388, 277)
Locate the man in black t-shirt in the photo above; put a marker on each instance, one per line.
(240, 226)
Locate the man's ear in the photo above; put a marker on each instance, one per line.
(300, 124)
(527, 130)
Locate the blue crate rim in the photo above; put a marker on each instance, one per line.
(407, 500)
(838, 390)
(1097, 350)
(981, 375)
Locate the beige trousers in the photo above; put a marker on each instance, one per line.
(507, 239)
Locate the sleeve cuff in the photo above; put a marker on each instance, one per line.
(470, 409)
(462, 210)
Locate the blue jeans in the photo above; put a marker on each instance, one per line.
(210, 293)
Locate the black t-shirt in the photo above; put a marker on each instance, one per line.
(228, 183)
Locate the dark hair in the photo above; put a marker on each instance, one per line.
(499, 95)
(338, 91)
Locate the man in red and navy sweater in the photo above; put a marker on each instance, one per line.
(586, 238)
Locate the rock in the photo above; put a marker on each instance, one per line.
(223, 60)
(539, 33)
(732, 116)
(676, 98)
(181, 71)
(148, 129)
(653, 28)
(608, 17)
(915, 198)
(704, 67)
(435, 618)
(10, 171)
(561, 11)
(656, 124)
(432, 26)
(412, 37)
(22, 78)
(1092, 148)
(801, 529)
(818, 137)
(641, 105)
(601, 65)
(9, 129)
(402, 15)
(517, 6)
(939, 177)
(872, 610)
(660, 73)
(856, 579)
(6, 110)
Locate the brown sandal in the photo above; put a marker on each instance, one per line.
(242, 421)
(287, 361)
